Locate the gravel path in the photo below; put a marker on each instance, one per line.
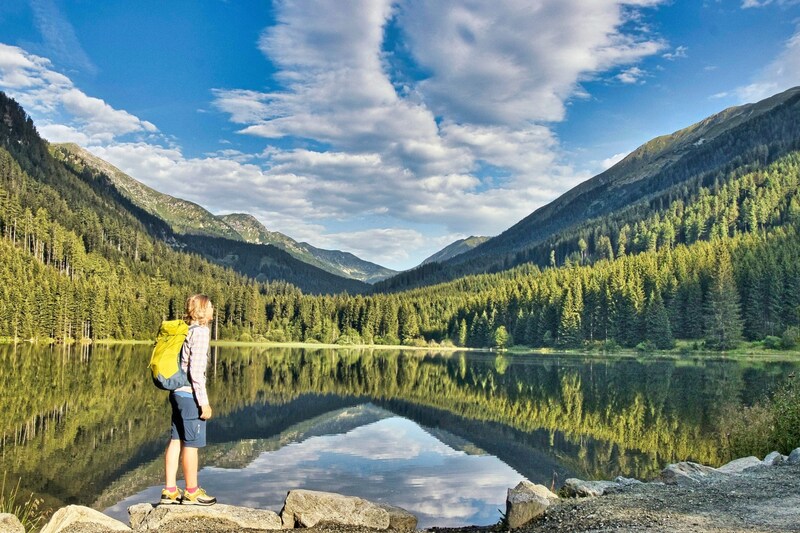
(763, 499)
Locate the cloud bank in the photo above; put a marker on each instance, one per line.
(387, 127)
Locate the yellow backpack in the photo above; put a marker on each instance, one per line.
(165, 362)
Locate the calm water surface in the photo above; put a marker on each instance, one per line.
(442, 435)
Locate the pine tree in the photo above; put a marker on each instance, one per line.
(723, 311)
(657, 327)
(569, 327)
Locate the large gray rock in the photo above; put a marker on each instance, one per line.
(688, 473)
(737, 466)
(305, 508)
(399, 518)
(77, 518)
(9, 523)
(774, 458)
(526, 501)
(574, 487)
(168, 518)
(794, 457)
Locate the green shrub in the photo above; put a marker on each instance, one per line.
(772, 342)
(610, 346)
(785, 409)
(745, 431)
(771, 424)
(790, 337)
(645, 347)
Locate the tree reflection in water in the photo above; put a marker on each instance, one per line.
(75, 421)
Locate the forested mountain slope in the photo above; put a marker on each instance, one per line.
(78, 259)
(189, 219)
(189, 227)
(668, 168)
(717, 269)
(336, 262)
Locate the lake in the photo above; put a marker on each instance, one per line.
(443, 435)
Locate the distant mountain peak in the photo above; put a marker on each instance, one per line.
(455, 248)
(188, 218)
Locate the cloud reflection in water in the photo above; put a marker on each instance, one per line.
(393, 461)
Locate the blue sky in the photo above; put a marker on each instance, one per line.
(385, 128)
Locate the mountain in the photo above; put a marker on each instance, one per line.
(672, 166)
(188, 218)
(75, 218)
(181, 215)
(456, 248)
(336, 262)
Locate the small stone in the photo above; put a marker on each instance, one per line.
(9, 523)
(737, 466)
(687, 473)
(582, 489)
(774, 458)
(794, 457)
(526, 501)
(77, 518)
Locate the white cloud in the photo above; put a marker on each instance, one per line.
(747, 4)
(609, 162)
(57, 106)
(467, 148)
(512, 62)
(780, 74)
(631, 75)
(679, 53)
(58, 35)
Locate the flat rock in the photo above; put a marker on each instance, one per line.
(774, 458)
(577, 487)
(78, 519)
(737, 466)
(9, 523)
(168, 518)
(794, 457)
(687, 473)
(526, 501)
(305, 508)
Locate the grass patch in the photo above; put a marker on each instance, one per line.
(28, 511)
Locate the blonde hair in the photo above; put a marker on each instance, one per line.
(199, 309)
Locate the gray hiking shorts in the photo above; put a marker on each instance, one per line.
(186, 424)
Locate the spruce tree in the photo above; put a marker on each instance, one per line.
(723, 311)
(657, 327)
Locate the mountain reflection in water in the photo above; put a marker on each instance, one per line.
(391, 460)
(84, 425)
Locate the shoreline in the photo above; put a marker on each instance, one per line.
(748, 350)
(746, 494)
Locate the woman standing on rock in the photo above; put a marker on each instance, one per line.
(190, 409)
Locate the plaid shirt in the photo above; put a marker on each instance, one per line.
(194, 358)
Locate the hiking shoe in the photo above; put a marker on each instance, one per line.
(170, 498)
(198, 498)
